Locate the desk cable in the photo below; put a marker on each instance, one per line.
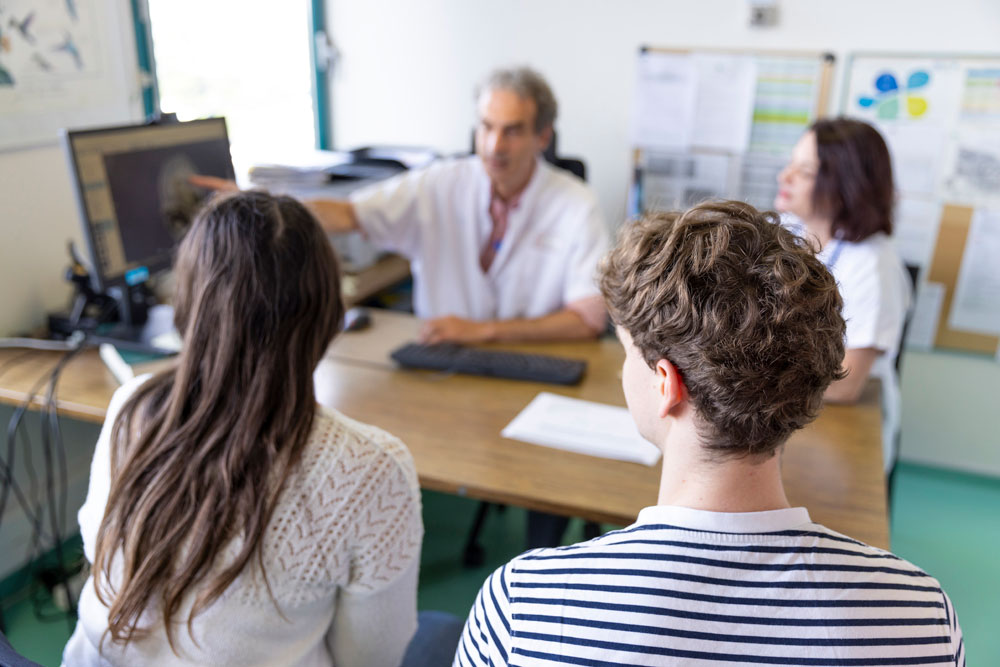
(69, 345)
(54, 452)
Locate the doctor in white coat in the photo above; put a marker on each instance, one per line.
(502, 245)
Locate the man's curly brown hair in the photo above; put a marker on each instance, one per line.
(742, 308)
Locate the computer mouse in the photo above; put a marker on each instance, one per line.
(357, 319)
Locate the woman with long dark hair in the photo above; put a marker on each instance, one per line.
(230, 519)
(838, 188)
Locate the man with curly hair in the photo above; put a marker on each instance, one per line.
(732, 332)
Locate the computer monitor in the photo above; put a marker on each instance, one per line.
(133, 194)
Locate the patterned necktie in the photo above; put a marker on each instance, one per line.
(499, 210)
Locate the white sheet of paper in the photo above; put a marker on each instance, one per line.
(973, 169)
(663, 116)
(916, 228)
(724, 102)
(917, 148)
(584, 427)
(674, 181)
(758, 178)
(926, 315)
(715, 176)
(977, 295)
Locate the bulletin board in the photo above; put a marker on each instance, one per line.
(720, 124)
(66, 64)
(940, 115)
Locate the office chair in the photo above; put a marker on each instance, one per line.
(913, 271)
(573, 165)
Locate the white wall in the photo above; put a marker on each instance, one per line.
(38, 216)
(950, 415)
(38, 213)
(407, 71)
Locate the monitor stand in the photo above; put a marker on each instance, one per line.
(143, 326)
(155, 336)
(126, 316)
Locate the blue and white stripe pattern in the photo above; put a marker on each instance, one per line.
(683, 586)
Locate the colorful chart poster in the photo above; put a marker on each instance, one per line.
(981, 95)
(784, 103)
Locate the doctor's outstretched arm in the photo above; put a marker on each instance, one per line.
(336, 216)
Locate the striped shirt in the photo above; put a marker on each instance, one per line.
(683, 586)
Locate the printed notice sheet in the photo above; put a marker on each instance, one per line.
(725, 96)
(663, 116)
(583, 427)
(977, 296)
(926, 316)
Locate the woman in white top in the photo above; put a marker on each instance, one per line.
(230, 519)
(839, 186)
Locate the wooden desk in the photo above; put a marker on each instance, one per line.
(386, 272)
(452, 425)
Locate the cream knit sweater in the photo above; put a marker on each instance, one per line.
(341, 554)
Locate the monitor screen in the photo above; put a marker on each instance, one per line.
(134, 197)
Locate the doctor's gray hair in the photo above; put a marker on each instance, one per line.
(528, 84)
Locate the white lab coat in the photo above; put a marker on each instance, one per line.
(876, 293)
(438, 218)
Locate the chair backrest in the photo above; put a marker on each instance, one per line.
(913, 271)
(572, 165)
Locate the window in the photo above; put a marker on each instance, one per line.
(248, 61)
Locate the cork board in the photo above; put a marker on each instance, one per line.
(945, 264)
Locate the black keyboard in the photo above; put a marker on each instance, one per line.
(492, 363)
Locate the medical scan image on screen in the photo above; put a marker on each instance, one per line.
(153, 200)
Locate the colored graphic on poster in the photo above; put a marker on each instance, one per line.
(886, 98)
(43, 41)
(981, 95)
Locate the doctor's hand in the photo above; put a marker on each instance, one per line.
(452, 329)
(213, 183)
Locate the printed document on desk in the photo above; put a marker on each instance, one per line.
(584, 427)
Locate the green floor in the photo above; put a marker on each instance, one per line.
(947, 523)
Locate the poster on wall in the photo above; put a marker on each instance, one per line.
(65, 63)
(940, 115)
(913, 102)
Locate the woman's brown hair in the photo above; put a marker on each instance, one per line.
(854, 182)
(201, 451)
(742, 308)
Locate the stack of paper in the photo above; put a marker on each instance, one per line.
(306, 168)
(584, 427)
